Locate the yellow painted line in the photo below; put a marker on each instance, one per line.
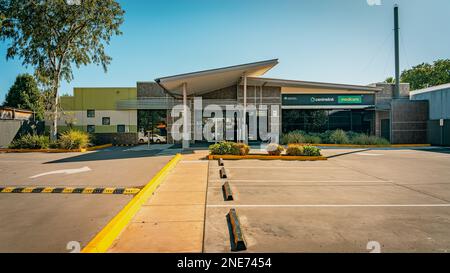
(105, 238)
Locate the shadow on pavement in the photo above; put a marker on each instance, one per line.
(113, 154)
(440, 150)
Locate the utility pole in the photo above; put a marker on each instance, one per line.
(397, 53)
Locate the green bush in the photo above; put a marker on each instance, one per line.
(274, 149)
(339, 137)
(294, 137)
(363, 139)
(294, 150)
(313, 139)
(30, 142)
(229, 148)
(74, 139)
(311, 151)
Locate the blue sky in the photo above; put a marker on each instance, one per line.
(342, 41)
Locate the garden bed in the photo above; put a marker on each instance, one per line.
(55, 150)
(267, 157)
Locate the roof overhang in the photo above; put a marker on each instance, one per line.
(202, 82)
(322, 85)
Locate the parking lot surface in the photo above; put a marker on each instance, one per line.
(398, 199)
(47, 222)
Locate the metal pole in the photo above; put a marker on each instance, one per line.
(185, 118)
(244, 125)
(397, 53)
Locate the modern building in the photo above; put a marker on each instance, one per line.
(438, 98)
(126, 114)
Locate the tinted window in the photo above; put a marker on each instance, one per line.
(91, 113)
(120, 128)
(106, 121)
(91, 129)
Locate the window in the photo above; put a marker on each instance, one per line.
(91, 129)
(120, 128)
(106, 121)
(91, 113)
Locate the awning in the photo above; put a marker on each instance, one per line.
(209, 80)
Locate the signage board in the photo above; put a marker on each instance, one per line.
(325, 99)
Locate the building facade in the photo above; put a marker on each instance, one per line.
(143, 113)
(438, 98)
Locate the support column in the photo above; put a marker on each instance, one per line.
(244, 120)
(185, 119)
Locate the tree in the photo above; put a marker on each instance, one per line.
(426, 75)
(390, 80)
(24, 94)
(54, 35)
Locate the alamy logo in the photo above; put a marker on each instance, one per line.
(374, 2)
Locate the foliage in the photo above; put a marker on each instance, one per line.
(294, 150)
(312, 139)
(30, 142)
(24, 94)
(426, 75)
(293, 138)
(74, 139)
(229, 148)
(274, 149)
(311, 151)
(363, 139)
(339, 137)
(54, 37)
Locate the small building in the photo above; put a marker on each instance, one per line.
(126, 115)
(438, 98)
(12, 121)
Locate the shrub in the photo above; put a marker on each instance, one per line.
(242, 148)
(312, 139)
(294, 150)
(274, 149)
(363, 139)
(339, 137)
(229, 148)
(30, 142)
(74, 139)
(294, 137)
(311, 151)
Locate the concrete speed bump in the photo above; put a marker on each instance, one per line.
(238, 241)
(223, 173)
(221, 162)
(54, 190)
(227, 193)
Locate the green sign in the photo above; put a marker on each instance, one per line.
(350, 99)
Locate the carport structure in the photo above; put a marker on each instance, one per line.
(199, 83)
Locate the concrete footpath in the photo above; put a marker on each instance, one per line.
(172, 221)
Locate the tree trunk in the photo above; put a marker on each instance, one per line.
(54, 127)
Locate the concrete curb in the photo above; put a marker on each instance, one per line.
(267, 157)
(239, 243)
(56, 151)
(105, 238)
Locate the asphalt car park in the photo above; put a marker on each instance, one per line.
(359, 200)
(48, 222)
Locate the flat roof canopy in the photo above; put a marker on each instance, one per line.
(292, 83)
(209, 80)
